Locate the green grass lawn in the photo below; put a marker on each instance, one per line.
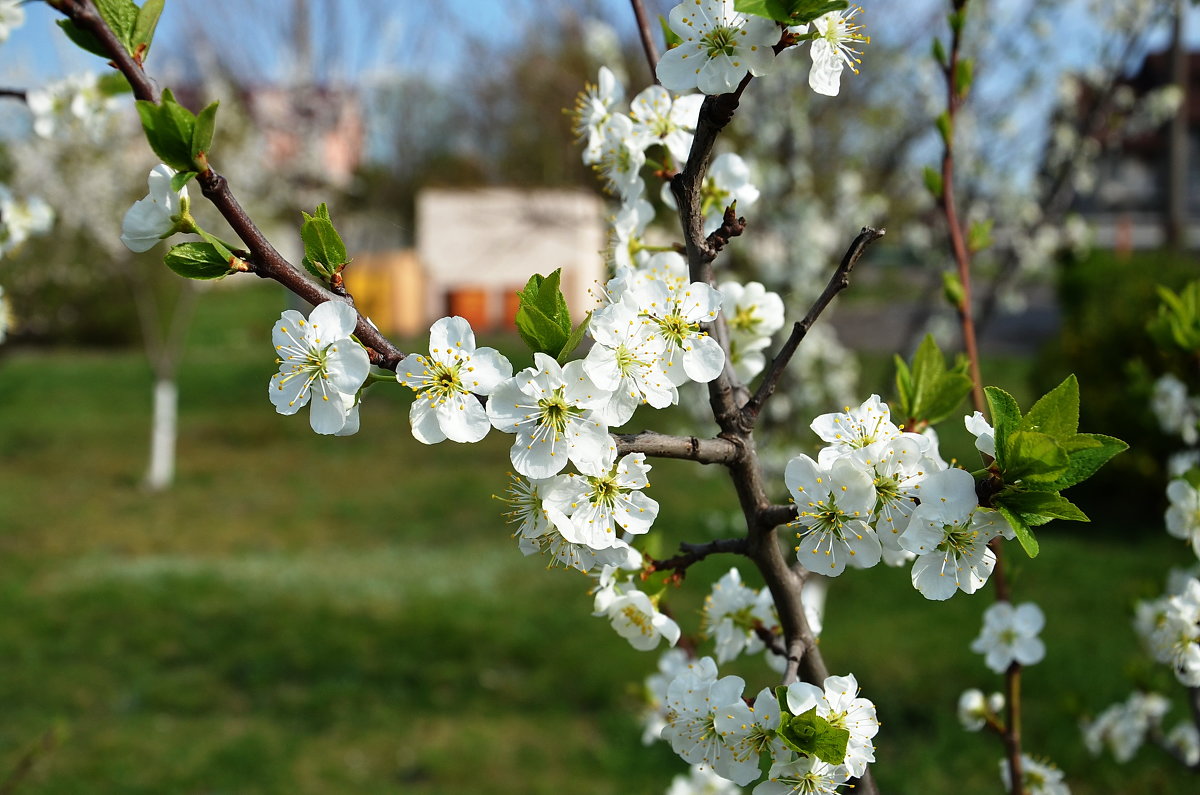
(304, 614)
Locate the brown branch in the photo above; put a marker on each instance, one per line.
(264, 259)
(648, 46)
(689, 448)
(838, 282)
(14, 93)
(694, 553)
(769, 639)
(731, 226)
(958, 244)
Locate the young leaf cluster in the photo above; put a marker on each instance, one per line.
(790, 12)
(180, 138)
(927, 390)
(810, 734)
(1177, 324)
(134, 27)
(1040, 454)
(324, 251)
(543, 319)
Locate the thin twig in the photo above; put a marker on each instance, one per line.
(266, 261)
(689, 448)
(694, 553)
(14, 93)
(838, 282)
(648, 46)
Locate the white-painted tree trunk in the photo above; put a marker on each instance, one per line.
(162, 436)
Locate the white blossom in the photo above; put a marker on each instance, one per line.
(319, 361)
(12, 16)
(593, 107)
(720, 46)
(155, 216)
(1183, 515)
(832, 506)
(1010, 634)
(1037, 778)
(839, 703)
(659, 119)
(550, 409)
(446, 382)
(598, 504)
(949, 534)
(833, 50)
(804, 775)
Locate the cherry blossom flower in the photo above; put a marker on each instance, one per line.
(949, 533)
(1037, 778)
(833, 50)
(749, 731)
(447, 381)
(1010, 635)
(627, 361)
(598, 504)
(593, 108)
(20, 219)
(550, 409)
(720, 46)
(679, 310)
(319, 361)
(12, 16)
(156, 216)
(694, 699)
(833, 505)
(635, 617)
(659, 119)
(839, 703)
(1183, 515)
(752, 315)
(974, 708)
(804, 775)
(852, 429)
(702, 781)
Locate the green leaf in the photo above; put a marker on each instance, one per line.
(939, 52)
(169, 128)
(812, 735)
(219, 245)
(84, 39)
(979, 236)
(904, 386)
(1033, 505)
(121, 16)
(945, 127)
(1006, 418)
(147, 22)
(1177, 324)
(1022, 530)
(1057, 412)
(541, 333)
(933, 182)
(543, 319)
(964, 75)
(1032, 457)
(197, 261)
(1085, 461)
(202, 133)
(573, 341)
(180, 179)
(789, 12)
(324, 251)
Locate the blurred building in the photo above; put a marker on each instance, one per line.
(474, 250)
(1129, 205)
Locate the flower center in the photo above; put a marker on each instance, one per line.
(744, 320)
(638, 619)
(676, 328)
(720, 41)
(556, 412)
